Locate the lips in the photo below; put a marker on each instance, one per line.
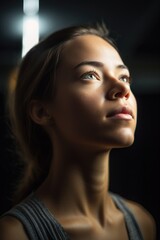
(121, 113)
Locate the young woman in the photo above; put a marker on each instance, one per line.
(71, 106)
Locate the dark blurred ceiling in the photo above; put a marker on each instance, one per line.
(133, 24)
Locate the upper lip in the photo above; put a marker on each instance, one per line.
(123, 109)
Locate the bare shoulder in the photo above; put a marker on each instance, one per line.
(11, 229)
(144, 219)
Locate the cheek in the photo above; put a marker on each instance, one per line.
(78, 112)
(83, 108)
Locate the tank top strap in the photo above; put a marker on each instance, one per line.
(38, 222)
(132, 226)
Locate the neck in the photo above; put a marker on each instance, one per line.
(79, 181)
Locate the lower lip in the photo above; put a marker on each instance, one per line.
(122, 116)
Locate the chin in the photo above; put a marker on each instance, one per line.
(122, 139)
(125, 141)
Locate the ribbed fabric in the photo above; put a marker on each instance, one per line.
(40, 224)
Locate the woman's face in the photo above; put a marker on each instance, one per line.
(94, 106)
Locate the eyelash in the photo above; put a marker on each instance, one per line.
(96, 75)
(129, 79)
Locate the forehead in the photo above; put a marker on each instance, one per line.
(87, 48)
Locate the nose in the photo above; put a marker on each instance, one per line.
(119, 89)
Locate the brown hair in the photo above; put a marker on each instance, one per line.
(36, 80)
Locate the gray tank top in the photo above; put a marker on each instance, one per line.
(40, 224)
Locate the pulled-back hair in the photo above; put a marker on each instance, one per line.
(36, 80)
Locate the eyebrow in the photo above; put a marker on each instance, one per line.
(122, 66)
(91, 63)
(98, 64)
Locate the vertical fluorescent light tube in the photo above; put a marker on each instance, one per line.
(30, 35)
(30, 7)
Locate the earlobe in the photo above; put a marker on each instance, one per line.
(39, 112)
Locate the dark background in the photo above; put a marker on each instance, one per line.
(135, 26)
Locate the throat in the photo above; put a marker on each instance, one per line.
(95, 181)
(97, 184)
(96, 178)
(80, 187)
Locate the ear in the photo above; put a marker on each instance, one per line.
(39, 112)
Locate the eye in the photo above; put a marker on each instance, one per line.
(125, 78)
(91, 75)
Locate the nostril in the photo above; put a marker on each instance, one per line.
(127, 95)
(122, 95)
(118, 95)
(119, 92)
